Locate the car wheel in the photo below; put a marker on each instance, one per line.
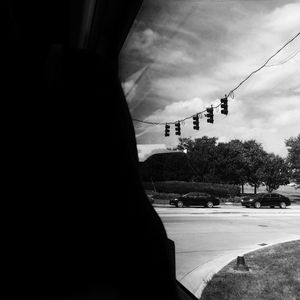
(179, 204)
(282, 205)
(209, 204)
(257, 204)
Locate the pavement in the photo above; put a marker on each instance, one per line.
(208, 239)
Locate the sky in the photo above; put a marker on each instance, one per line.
(183, 56)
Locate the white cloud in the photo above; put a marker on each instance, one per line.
(177, 111)
(297, 90)
(146, 150)
(284, 19)
(142, 40)
(167, 56)
(265, 35)
(180, 88)
(266, 107)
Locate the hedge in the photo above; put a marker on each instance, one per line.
(183, 187)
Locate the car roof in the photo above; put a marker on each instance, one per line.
(196, 193)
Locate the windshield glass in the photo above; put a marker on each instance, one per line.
(216, 82)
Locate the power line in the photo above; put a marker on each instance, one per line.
(174, 122)
(287, 59)
(231, 93)
(263, 65)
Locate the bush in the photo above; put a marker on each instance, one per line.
(162, 196)
(182, 187)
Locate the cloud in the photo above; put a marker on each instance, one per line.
(178, 110)
(171, 113)
(297, 90)
(186, 87)
(190, 73)
(167, 56)
(284, 19)
(277, 121)
(266, 33)
(142, 40)
(146, 150)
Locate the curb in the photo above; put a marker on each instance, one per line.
(205, 272)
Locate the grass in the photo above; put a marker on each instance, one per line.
(274, 275)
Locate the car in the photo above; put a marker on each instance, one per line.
(195, 198)
(266, 199)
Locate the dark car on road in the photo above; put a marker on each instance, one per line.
(266, 199)
(197, 199)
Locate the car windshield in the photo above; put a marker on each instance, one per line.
(213, 91)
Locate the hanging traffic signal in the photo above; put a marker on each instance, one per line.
(224, 106)
(177, 128)
(167, 130)
(196, 122)
(210, 115)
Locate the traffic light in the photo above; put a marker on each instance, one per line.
(196, 122)
(167, 130)
(177, 128)
(210, 115)
(224, 106)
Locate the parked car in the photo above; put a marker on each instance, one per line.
(266, 199)
(195, 198)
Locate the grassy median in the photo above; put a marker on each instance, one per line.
(274, 275)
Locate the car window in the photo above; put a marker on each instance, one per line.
(203, 195)
(180, 59)
(191, 194)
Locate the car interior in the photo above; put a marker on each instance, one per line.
(81, 225)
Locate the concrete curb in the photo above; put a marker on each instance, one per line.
(199, 277)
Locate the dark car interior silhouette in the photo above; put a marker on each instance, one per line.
(71, 143)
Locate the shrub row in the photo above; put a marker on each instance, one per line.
(162, 196)
(183, 187)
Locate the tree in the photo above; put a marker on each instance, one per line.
(293, 145)
(166, 166)
(230, 163)
(254, 157)
(275, 172)
(201, 153)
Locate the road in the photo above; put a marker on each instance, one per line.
(207, 239)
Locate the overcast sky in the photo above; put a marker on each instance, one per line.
(191, 53)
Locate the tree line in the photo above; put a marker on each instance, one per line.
(235, 162)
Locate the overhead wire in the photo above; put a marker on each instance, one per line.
(231, 92)
(263, 65)
(287, 59)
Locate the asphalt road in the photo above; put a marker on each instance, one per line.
(207, 239)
